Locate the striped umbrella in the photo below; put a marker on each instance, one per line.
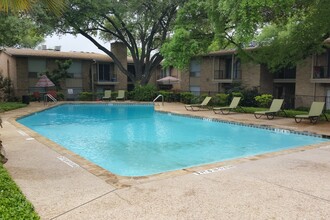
(168, 80)
(44, 82)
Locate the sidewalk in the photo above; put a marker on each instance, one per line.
(284, 185)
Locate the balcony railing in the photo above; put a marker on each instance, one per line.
(221, 75)
(287, 75)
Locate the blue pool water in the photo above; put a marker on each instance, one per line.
(134, 140)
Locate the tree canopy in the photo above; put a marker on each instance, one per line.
(284, 31)
(55, 6)
(18, 28)
(18, 31)
(192, 35)
(141, 25)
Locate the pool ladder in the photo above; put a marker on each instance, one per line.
(49, 96)
(158, 98)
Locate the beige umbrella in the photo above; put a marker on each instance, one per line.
(168, 80)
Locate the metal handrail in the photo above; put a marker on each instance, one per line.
(158, 97)
(51, 97)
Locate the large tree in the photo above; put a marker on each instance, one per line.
(142, 25)
(285, 31)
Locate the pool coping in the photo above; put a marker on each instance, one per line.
(118, 181)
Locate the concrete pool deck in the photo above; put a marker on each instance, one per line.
(291, 184)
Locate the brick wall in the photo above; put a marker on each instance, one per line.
(307, 91)
(22, 77)
(266, 80)
(207, 83)
(250, 75)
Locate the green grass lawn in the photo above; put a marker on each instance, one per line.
(6, 106)
(13, 204)
(290, 112)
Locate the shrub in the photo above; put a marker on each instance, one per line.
(143, 93)
(85, 96)
(60, 96)
(166, 95)
(114, 95)
(220, 99)
(237, 94)
(6, 89)
(264, 100)
(187, 97)
(249, 95)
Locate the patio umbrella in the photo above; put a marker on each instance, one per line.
(44, 82)
(168, 80)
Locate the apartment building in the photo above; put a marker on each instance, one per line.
(213, 73)
(219, 71)
(88, 71)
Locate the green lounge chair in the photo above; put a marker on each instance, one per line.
(107, 95)
(226, 110)
(195, 107)
(314, 113)
(121, 95)
(274, 109)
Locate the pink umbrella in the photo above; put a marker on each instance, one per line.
(44, 82)
(168, 80)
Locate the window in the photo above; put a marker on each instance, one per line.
(237, 69)
(195, 68)
(75, 69)
(104, 72)
(218, 68)
(228, 65)
(196, 90)
(36, 67)
(286, 73)
(224, 68)
(321, 65)
(165, 72)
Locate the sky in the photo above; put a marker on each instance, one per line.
(72, 43)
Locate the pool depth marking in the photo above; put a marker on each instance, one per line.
(22, 133)
(214, 170)
(68, 162)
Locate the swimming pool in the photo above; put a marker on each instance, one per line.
(135, 140)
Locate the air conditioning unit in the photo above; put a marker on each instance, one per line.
(57, 48)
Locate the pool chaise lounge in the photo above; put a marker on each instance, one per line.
(121, 95)
(107, 95)
(227, 109)
(314, 113)
(196, 107)
(274, 109)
